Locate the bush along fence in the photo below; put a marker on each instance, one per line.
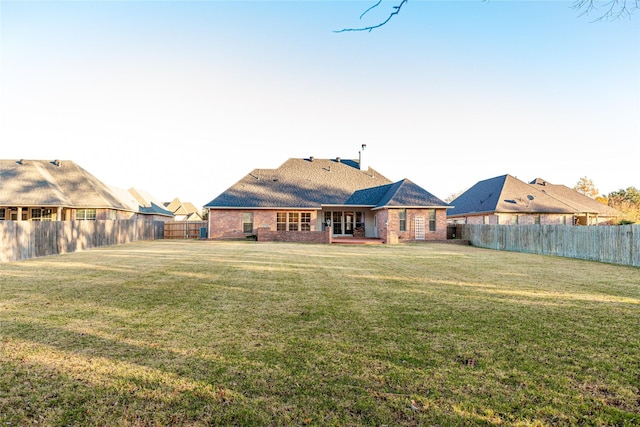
(20, 240)
(611, 244)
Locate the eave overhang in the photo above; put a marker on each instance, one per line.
(411, 207)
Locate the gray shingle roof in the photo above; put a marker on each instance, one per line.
(507, 194)
(403, 193)
(579, 201)
(299, 183)
(53, 183)
(310, 184)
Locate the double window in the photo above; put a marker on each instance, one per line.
(41, 214)
(85, 214)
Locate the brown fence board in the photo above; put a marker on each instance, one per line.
(611, 244)
(183, 229)
(21, 240)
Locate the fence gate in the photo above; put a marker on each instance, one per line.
(184, 229)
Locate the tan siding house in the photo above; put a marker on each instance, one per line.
(60, 190)
(509, 201)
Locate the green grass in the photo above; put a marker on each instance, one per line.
(244, 333)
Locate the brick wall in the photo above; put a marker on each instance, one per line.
(227, 224)
(393, 225)
(268, 235)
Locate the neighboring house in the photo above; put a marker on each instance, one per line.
(183, 211)
(328, 196)
(507, 200)
(144, 204)
(43, 190)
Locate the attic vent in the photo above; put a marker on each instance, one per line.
(311, 158)
(338, 159)
(20, 162)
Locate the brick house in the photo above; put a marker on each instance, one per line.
(315, 200)
(507, 200)
(43, 190)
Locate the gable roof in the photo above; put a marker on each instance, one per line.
(175, 206)
(180, 208)
(53, 183)
(403, 193)
(141, 202)
(299, 183)
(507, 194)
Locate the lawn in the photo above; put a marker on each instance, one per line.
(193, 333)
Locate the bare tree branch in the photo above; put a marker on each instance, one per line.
(372, 7)
(373, 27)
(613, 9)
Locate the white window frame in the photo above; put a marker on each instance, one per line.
(85, 214)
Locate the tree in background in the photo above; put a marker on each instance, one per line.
(602, 9)
(451, 197)
(628, 202)
(585, 186)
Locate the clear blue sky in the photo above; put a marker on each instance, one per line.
(183, 98)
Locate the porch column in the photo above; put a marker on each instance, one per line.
(19, 214)
(59, 213)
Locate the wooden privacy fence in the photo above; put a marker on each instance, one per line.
(21, 240)
(612, 244)
(184, 229)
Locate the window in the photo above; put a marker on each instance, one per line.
(293, 221)
(41, 214)
(85, 214)
(281, 221)
(432, 220)
(3, 214)
(305, 221)
(247, 222)
(403, 219)
(359, 220)
(337, 223)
